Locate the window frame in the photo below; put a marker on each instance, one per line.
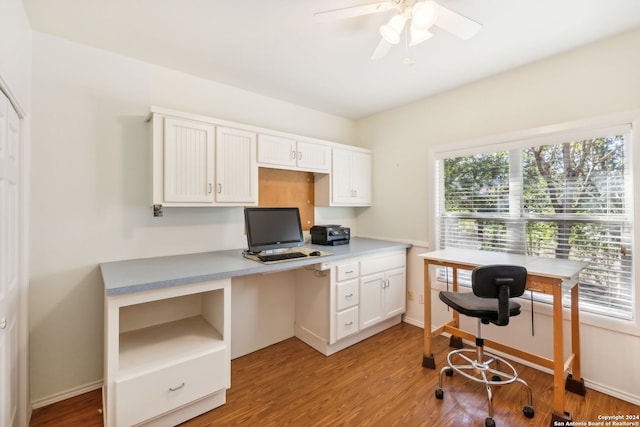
(553, 134)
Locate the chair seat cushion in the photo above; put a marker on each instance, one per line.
(471, 305)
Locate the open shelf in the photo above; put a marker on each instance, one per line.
(155, 347)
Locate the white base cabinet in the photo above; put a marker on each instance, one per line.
(167, 355)
(350, 300)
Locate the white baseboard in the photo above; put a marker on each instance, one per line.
(67, 394)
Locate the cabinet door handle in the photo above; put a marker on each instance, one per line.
(293, 154)
(177, 387)
(3, 323)
(210, 188)
(299, 155)
(219, 188)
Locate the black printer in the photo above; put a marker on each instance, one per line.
(331, 235)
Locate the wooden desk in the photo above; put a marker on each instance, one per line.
(545, 275)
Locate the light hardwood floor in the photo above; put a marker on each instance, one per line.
(378, 382)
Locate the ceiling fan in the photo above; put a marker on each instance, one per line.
(415, 17)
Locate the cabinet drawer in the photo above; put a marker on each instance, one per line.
(347, 322)
(347, 271)
(153, 393)
(382, 263)
(347, 294)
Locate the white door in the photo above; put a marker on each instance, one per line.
(236, 167)
(314, 156)
(361, 178)
(342, 191)
(371, 299)
(188, 161)
(9, 260)
(394, 292)
(276, 150)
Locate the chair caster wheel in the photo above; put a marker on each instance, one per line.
(439, 393)
(449, 372)
(528, 411)
(489, 422)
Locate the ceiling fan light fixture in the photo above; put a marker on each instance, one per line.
(424, 14)
(418, 35)
(392, 30)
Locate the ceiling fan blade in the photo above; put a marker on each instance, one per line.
(349, 12)
(456, 24)
(381, 50)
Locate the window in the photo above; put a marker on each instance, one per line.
(563, 198)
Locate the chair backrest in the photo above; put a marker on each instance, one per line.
(501, 282)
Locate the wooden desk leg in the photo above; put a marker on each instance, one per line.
(427, 356)
(575, 382)
(558, 360)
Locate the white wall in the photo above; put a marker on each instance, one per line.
(15, 52)
(599, 79)
(91, 191)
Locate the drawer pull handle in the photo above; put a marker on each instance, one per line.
(350, 272)
(348, 324)
(176, 388)
(349, 296)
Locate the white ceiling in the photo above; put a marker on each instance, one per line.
(276, 48)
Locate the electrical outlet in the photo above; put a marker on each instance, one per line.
(410, 295)
(421, 297)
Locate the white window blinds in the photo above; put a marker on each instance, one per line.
(566, 198)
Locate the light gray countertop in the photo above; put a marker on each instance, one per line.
(123, 277)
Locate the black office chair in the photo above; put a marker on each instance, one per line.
(493, 286)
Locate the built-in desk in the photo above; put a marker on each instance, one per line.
(168, 320)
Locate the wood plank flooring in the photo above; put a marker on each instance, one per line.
(378, 382)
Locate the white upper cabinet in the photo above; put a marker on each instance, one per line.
(236, 167)
(288, 153)
(196, 163)
(350, 179)
(188, 161)
(203, 161)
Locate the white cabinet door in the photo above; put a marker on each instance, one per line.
(287, 153)
(236, 167)
(371, 302)
(382, 295)
(188, 161)
(342, 193)
(351, 178)
(361, 178)
(276, 151)
(394, 292)
(313, 156)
